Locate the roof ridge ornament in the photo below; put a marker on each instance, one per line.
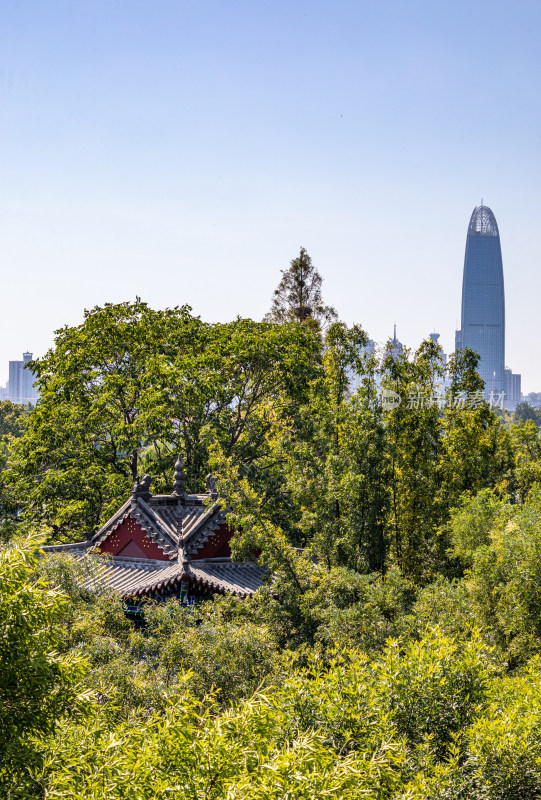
(141, 488)
(179, 484)
(212, 489)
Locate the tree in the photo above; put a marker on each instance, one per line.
(130, 388)
(439, 447)
(37, 684)
(354, 729)
(505, 580)
(413, 446)
(363, 486)
(524, 412)
(526, 471)
(298, 295)
(336, 464)
(12, 420)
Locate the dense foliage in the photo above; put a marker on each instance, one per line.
(129, 389)
(406, 693)
(395, 651)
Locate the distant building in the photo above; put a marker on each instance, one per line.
(395, 347)
(512, 389)
(435, 338)
(370, 348)
(483, 301)
(20, 388)
(444, 382)
(483, 309)
(534, 399)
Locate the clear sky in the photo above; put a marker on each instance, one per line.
(184, 151)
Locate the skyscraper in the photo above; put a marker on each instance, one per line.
(20, 387)
(483, 301)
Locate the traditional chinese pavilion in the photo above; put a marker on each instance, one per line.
(167, 545)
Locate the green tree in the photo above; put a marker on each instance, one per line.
(472, 522)
(130, 388)
(478, 450)
(414, 447)
(297, 297)
(525, 472)
(230, 385)
(12, 420)
(524, 412)
(347, 730)
(498, 756)
(365, 486)
(504, 581)
(437, 451)
(336, 465)
(38, 685)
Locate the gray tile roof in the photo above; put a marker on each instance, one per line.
(120, 574)
(222, 575)
(75, 548)
(161, 532)
(179, 526)
(241, 579)
(141, 576)
(192, 520)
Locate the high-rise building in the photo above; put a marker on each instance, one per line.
(395, 348)
(435, 338)
(483, 301)
(20, 388)
(512, 387)
(483, 308)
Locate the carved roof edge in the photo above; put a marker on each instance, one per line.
(196, 573)
(157, 520)
(160, 533)
(112, 523)
(203, 529)
(156, 529)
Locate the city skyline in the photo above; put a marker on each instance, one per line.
(482, 315)
(184, 152)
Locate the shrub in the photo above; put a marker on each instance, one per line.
(37, 683)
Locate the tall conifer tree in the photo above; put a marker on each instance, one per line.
(297, 297)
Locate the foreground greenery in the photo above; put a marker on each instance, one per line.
(406, 693)
(395, 651)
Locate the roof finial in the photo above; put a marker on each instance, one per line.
(179, 485)
(211, 485)
(141, 488)
(394, 336)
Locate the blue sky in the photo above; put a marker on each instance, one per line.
(184, 151)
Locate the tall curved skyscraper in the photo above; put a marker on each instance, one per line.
(483, 300)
